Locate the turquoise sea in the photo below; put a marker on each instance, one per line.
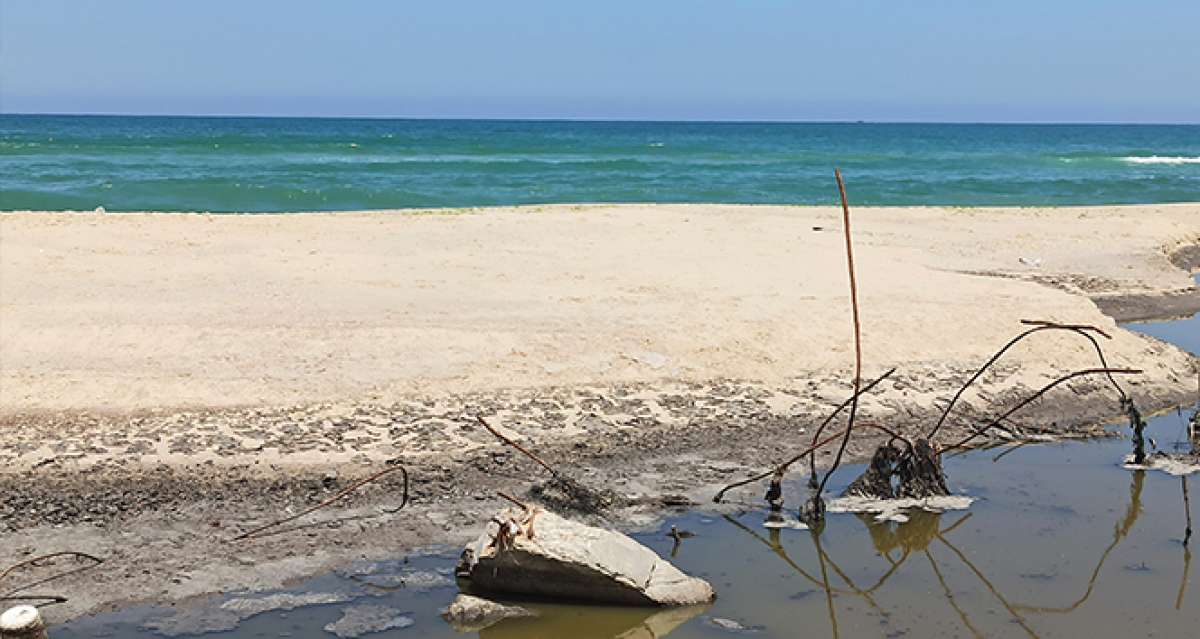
(307, 164)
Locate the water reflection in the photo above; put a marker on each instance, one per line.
(923, 534)
(1120, 531)
(555, 622)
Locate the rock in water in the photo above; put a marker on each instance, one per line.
(472, 614)
(535, 552)
(357, 621)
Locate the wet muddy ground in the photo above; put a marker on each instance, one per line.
(1061, 542)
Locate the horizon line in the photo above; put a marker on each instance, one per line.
(592, 119)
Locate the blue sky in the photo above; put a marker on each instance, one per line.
(931, 60)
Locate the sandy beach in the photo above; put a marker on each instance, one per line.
(172, 376)
(139, 311)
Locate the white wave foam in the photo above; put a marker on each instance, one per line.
(1160, 159)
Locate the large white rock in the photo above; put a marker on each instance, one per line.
(536, 552)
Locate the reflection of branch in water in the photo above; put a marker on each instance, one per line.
(1122, 529)
(961, 521)
(1187, 511)
(1187, 564)
(986, 582)
(825, 580)
(1187, 552)
(913, 535)
(866, 595)
(778, 549)
(909, 537)
(1018, 445)
(950, 596)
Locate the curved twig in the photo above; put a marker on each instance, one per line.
(353, 487)
(36, 560)
(836, 411)
(1039, 393)
(782, 468)
(1039, 326)
(12, 594)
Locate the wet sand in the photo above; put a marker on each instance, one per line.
(165, 380)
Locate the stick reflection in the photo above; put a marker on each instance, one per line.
(896, 543)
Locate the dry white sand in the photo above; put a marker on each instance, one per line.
(132, 311)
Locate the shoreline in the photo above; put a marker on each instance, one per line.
(538, 207)
(707, 376)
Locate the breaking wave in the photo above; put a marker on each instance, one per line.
(1160, 159)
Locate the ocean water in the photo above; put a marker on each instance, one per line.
(302, 164)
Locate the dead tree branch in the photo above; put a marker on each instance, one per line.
(1025, 402)
(782, 468)
(836, 411)
(353, 487)
(1038, 326)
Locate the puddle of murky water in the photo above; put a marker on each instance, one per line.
(1061, 542)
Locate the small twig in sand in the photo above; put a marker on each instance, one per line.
(519, 447)
(34, 562)
(37, 562)
(575, 495)
(47, 600)
(513, 500)
(353, 487)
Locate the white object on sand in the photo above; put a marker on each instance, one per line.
(22, 622)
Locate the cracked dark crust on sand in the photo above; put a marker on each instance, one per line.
(174, 520)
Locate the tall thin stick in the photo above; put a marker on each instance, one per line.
(857, 335)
